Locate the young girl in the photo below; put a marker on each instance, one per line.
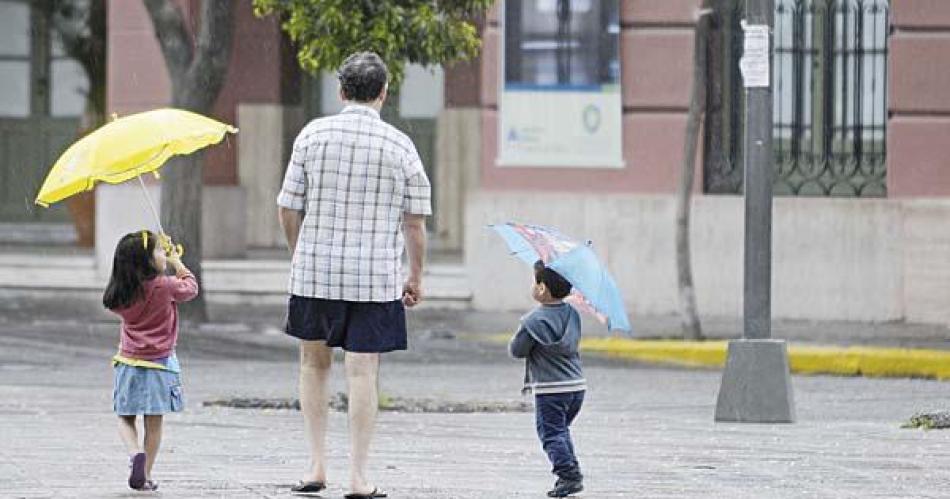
(147, 375)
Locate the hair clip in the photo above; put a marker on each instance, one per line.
(145, 239)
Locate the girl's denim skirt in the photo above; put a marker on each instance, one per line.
(141, 391)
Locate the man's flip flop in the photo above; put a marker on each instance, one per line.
(371, 495)
(306, 488)
(137, 474)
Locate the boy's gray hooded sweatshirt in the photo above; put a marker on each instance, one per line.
(548, 340)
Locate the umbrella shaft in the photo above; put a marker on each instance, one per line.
(148, 199)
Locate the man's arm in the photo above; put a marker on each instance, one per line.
(290, 221)
(414, 231)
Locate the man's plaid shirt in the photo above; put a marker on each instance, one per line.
(354, 176)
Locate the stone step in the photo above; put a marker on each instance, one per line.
(37, 233)
(444, 282)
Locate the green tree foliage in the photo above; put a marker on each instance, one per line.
(425, 32)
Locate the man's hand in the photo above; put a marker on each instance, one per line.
(412, 292)
(414, 230)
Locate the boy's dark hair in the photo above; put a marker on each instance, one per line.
(363, 76)
(557, 285)
(131, 266)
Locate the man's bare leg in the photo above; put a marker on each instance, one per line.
(362, 371)
(315, 361)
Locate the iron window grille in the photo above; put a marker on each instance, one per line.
(829, 83)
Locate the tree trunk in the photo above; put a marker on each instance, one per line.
(197, 71)
(181, 218)
(689, 314)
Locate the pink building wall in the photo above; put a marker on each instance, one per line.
(918, 132)
(656, 52)
(136, 78)
(261, 70)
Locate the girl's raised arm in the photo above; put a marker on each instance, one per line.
(186, 286)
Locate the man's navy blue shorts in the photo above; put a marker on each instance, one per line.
(367, 327)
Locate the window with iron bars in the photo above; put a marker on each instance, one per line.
(829, 84)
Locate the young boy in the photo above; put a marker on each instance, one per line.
(547, 340)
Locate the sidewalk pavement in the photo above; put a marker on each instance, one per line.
(643, 432)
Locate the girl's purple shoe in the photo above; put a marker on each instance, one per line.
(137, 473)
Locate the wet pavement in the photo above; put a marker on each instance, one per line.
(644, 431)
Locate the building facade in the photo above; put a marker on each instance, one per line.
(860, 111)
(42, 100)
(574, 116)
(267, 97)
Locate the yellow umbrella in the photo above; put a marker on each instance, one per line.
(126, 148)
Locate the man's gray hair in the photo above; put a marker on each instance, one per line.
(363, 76)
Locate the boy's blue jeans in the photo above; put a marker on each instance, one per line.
(554, 413)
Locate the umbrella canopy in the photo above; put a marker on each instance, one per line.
(128, 147)
(594, 289)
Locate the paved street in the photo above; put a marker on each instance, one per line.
(644, 432)
(776, 168)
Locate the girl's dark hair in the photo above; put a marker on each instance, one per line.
(131, 266)
(556, 284)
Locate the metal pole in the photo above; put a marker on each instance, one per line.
(758, 196)
(756, 385)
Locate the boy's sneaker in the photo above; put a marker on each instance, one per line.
(564, 488)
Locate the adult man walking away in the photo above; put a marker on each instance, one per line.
(354, 195)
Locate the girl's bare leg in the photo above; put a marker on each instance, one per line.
(129, 434)
(153, 440)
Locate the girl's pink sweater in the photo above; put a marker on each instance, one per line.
(150, 325)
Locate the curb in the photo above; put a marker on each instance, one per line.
(843, 361)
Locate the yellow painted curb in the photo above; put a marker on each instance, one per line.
(693, 353)
(851, 361)
(871, 361)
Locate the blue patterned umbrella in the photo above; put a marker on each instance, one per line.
(594, 289)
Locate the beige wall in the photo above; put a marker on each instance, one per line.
(867, 260)
(267, 132)
(926, 269)
(458, 155)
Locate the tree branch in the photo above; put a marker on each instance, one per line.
(81, 26)
(173, 37)
(213, 52)
(689, 314)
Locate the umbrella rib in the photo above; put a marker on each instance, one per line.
(140, 168)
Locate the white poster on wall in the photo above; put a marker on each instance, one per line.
(560, 103)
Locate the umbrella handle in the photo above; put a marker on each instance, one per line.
(170, 247)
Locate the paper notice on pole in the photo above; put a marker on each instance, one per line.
(754, 64)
